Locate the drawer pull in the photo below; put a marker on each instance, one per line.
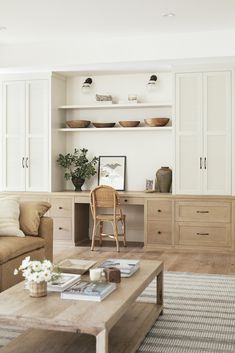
(159, 232)
(159, 210)
(60, 228)
(60, 208)
(125, 200)
(202, 211)
(203, 234)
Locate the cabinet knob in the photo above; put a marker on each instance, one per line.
(60, 207)
(125, 200)
(60, 228)
(159, 232)
(159, 210)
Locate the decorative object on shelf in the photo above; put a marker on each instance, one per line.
(78, 123)
(129, 123)
(96, 274)
(86, 87)
(156, 121)
(149, 187)
(37, 274)
(77, 167)
(164, 179)
(112, 274)
(132, 98)
(112, 171)
(104, 99)
(102, 125)
(152, 83)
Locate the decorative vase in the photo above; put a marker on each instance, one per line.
(78, 182)
(37, 290)
(164, 179)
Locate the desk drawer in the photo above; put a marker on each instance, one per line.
(131, 200)
(203, 235)
(203, 211)
(159, 209)
(62, 228)
(61, 207)
(159, 232)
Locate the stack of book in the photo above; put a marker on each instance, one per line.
(86, 290)
(127, 267)
(64, 281)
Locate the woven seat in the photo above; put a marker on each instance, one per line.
(106, 198)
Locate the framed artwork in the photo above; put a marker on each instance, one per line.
(149, 185)
(112, 171)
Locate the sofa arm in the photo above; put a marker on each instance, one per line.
(46, 232)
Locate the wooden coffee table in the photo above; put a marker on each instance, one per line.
(118, 324)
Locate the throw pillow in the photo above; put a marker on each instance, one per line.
(30, 214)
(9, 217)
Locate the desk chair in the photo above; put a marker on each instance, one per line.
(106, 197)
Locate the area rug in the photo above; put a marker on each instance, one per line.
(199, 316)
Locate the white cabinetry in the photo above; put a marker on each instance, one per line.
(26, 134)
(203, 133)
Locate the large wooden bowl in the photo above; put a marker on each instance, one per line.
(129, 123)
(156, 121)
(78, 123)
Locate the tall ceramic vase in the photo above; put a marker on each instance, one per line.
(164, 179)
(78, 182)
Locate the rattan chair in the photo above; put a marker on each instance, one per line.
(105, 197)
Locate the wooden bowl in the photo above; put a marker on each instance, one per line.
(78, 123)
(156, 121)
(100, 125)
(129, 123)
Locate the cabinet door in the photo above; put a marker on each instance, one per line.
(14, 135)
(189, 142)
(217, 133)
(37, 135)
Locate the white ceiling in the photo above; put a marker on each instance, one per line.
(50, 20)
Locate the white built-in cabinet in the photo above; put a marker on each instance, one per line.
(203, 109)
(26, 135)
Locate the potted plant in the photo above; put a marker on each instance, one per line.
(77, 167)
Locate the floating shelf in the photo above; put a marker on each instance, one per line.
(117, 129)
(117, 106)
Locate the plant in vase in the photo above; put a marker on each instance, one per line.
(77, 167)
(37, 274)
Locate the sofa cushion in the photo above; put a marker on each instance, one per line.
(11, 247)
(30, 214)
(9, 217)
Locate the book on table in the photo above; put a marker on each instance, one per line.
(64, 281)
(87, 290)
(127, 266)
(79, 266)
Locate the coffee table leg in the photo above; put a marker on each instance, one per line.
(102, 342)
(160, 289)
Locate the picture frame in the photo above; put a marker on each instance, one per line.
(149, 185)
(112, 171)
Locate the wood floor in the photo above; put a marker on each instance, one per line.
(173, 261)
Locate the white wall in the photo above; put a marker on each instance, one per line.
(146, 151)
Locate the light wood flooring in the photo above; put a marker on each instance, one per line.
(173, 261)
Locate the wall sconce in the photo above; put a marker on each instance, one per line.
(152, 84)
(86, 87)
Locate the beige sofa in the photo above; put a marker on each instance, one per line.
(14, 249)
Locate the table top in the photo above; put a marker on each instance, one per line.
(52, 312)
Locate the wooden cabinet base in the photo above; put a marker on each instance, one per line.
(125, 337)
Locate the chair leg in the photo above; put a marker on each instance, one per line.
(101, 231)
(124, 230)
(115, 231)
(93, 236)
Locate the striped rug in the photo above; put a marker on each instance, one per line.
(199, 316)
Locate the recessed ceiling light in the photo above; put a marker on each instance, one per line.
(3, 28)
(168, 14)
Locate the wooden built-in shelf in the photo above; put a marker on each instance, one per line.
(117, 129)
(117, 106)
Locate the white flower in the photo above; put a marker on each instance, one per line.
(36, 277)
(25, 263)
(16, 271)
(36, 266)
(46, 275)
(35, 271)
(47, 265)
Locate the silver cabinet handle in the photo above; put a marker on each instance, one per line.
(205, 163)
(27, 162)
(22, 162)
(200, 162)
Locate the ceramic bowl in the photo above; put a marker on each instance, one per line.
(78, 123)
(156, 121)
